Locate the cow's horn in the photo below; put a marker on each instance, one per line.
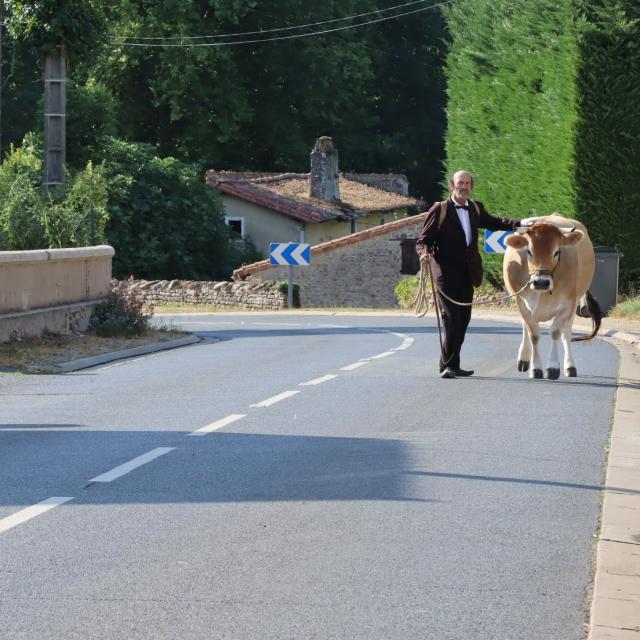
(566, 230)
(522, 230)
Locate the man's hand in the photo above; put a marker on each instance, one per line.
(527, 222)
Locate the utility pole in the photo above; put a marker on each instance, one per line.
(55, 63)
(1, 26)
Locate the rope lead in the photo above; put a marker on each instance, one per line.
(421, 301)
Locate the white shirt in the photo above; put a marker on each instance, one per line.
(464, 220)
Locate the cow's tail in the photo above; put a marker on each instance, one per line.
(595, 312)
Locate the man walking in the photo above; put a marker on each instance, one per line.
(449, 240)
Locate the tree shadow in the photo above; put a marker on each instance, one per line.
(218, 467)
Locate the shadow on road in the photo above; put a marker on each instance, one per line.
(219, 467)
(551, 483)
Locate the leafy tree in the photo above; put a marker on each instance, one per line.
(165, 222)
(79, 25)
(377, 90)
(91, 121)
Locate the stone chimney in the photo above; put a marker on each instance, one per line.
(324, 171)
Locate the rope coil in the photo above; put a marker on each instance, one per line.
(421, 301)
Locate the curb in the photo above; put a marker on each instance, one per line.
(92, 361)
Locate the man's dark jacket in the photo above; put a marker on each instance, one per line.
(455, 263)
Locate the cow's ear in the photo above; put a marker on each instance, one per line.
(572, 237)
(516, 241)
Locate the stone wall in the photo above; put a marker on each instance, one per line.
(244, 295)
(359, 270)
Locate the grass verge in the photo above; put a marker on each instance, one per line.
(28, 354)
(629, 309)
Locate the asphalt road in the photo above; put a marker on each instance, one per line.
(300, 477)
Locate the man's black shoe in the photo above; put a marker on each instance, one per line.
(447, 373)
(463, 372)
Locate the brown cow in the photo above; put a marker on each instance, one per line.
(555, 258)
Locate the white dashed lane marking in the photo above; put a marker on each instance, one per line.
(214, 426)
(31, 512)
(329, 376)
(125, 468)
(269, 401)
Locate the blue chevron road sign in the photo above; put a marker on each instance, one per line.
(290, 253)
(494, 241)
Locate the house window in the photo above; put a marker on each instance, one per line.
(236, 224)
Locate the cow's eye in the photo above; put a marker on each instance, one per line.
(557, 254)
(529, 253)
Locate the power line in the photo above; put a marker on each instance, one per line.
(250, 33)
(290, 37)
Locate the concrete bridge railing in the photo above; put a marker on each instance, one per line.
(52, 290)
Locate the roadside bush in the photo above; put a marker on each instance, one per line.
(36, 217)
(283, 287)
(124, 313)
(165, 222)
(406, 291)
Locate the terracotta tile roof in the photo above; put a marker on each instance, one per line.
(293, 207)
(288, 193)
(246, 270)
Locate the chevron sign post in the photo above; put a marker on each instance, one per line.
(291, 254)
(494, 241)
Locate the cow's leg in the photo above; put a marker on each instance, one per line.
(536, 360)
(553, 361)
(569, 366)
(524, 352)
(529, 351)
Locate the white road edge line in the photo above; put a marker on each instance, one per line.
(382, 355)
(355, 365)
(31, 512)
(125, 468)
(269, 401)
(214, 426)
(329, 376)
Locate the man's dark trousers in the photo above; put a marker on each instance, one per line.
(455, 319)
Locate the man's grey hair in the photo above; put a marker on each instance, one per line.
(459, 171)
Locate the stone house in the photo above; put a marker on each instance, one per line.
(314, 207)
(357, 270)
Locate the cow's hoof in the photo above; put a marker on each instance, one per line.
(523, 365)
(572, 372)
(553, 374)
(536, 373)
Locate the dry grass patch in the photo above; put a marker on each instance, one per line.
(32, 353)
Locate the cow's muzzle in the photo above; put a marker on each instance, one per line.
(542, 283)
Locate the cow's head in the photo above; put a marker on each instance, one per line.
(543, 243)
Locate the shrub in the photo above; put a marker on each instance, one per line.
(34, 217)
(283, 288)
(406, 291)
(124, 313)
(165, 222)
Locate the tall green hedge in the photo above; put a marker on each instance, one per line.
(533, 112)
(608, 129)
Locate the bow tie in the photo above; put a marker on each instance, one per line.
(460, 206)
